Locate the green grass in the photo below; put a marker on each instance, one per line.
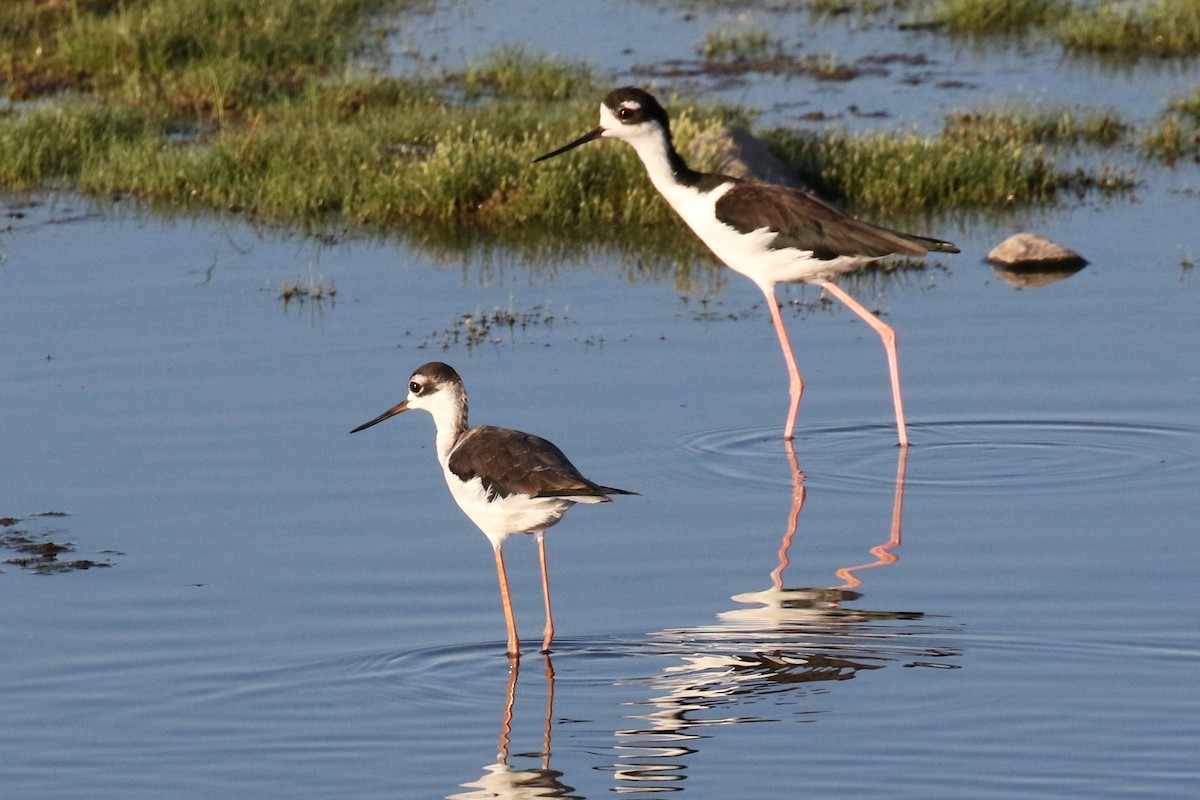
(512, 72)
(1037, 125)
(885, 173)
(1110, 28)
(194, 60)
(985, 160)
(1176, 134)
(223, 105)
(1165, 28)
(981, 17)
(725, 46)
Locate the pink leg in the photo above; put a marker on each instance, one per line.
(795, 384)
(548, 633)
(888, 335)
(514, 647)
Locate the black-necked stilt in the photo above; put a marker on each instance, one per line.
(506, 481)
(767, 232)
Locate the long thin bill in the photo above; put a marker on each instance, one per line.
(595, 133)
(391, 412)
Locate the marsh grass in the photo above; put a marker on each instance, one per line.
(880, 172)
(740, 52)
(1111, 28)
(726, 46)
(1165, 28)
(1037, 125)
(987, 160)
(219, 105)
(980, 17)
(481, 327)
(1176, 133)
(311, 287)
(513, 72)
(205, 56)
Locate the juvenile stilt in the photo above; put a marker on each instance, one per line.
(506, 481)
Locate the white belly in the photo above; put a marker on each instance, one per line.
(750, 254)
(502, 516)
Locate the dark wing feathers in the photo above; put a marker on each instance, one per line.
(512, 462)
(806, 222)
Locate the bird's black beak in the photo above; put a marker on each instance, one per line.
(391, 412)
(594, 133)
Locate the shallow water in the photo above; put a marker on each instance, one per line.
(295, 612)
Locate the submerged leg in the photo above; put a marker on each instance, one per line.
(888, 335)
(548, 633)
(795, 384)
(514, 647)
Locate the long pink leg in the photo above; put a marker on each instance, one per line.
(514, 647)
(548, 633)
(888, 335)
(795, 384)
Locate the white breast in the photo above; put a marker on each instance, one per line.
(750, 254)
(503, 516)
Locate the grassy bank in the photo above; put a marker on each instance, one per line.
(1158, 28)
(278, 110)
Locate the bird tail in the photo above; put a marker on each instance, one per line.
(596, 494)
(932, 245)
(611, 490)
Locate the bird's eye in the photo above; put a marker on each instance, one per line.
(627, 112)
(414, 387)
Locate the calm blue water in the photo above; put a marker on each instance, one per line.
(295, 612)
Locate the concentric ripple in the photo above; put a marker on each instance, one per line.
(979, 455)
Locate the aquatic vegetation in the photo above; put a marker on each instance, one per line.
(1176, 133)
(488, 327)
(981, 17)
(725, 46)
(209, 57)
(514, 73)
(887, 173)
(987, 160)
(1164, 28)
(38, 552)
(739, 52)
(311, 287)
(213, 105)
(1037, 125)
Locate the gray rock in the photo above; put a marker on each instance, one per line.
(1023, 251)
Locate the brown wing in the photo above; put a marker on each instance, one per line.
(806, 222)
(512, 462)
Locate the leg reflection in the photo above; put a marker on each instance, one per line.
(503, 780)
(778, 657)
(799, 492)
(882, 552)
(783, 604)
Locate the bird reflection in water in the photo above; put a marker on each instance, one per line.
(784, 644)
(501, 779)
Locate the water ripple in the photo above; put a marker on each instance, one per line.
(975, 455)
